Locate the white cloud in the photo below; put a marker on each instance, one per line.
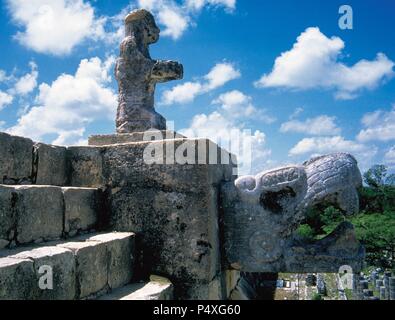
(65, 107)
(5, 99)
(218, 76)
(3, 76)
(227, 126)
(379, 125)
(314, 62)
(28, 82)
(199, 4)
(390, 156)
(238, 105)
(321, 125)
(176, 17)
(183, 93)
(2, 124)
(55, 26)
(174, 21)
(225, 131)
(322, 145)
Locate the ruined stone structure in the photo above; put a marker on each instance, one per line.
(105, 217)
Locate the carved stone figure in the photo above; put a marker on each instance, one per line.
(137, 75)
(333, 179)
(261, 214)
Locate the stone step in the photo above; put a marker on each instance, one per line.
(83, 268)
(36, 213)
(157, 288)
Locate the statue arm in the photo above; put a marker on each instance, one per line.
(163, 71)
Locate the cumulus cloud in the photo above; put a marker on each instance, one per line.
(238, 105)
(313, 62)
(199, 4)
(322, 145)
(27, 83)
(70, 103)
(378, 125)
(55, 26)
(321, 125)
(218, 76)
(316, 146)
(228, 127)
(177, 17)
(3, 76)
(389, 156)
(5, 99)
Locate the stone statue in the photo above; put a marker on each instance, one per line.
(137, 75)
(261, 214)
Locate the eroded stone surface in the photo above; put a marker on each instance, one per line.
(120, 250)
(86, 167)
(80, 209)
(50, 164)
(137, 75)
(63, 272)
(7, 215)
(261, 214)
(174, 211)
(103, 140)
(16, 278)
(39, 213)
(158, 288)
(333, 179)
(91, 266)
(16, 154)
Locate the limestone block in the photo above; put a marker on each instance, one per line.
(16, 278)
(158, 288)
(178, 234)
(50, 165)
(7, 215)
(61, 262)
(91, 266)
(120, 250)
(16, 156)
(103, 140)
(39, 213)
(86, 166)
(81, 207)
(185, 165)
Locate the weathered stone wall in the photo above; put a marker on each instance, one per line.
(24, 162)
(173, 208)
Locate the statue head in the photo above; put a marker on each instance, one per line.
(142, 22)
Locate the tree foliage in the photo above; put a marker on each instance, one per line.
(374, 225)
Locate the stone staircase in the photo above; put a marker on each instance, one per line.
(50, 232)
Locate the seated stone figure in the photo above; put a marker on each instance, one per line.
(137, 75)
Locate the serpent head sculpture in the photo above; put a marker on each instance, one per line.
(262, 212)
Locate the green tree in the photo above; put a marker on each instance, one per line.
(377, 176)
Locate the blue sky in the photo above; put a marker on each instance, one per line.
(282, 69)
